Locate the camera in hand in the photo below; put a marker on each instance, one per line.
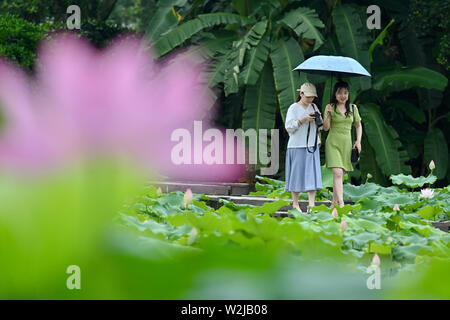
(316, 116)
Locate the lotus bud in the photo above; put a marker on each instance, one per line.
(335, 213)
(343, 225)
(159, 192)
(188, 196)
(396, 207)
(369, 176)
(432, 165)
(427, 193)
(376, 260)
(193, 235)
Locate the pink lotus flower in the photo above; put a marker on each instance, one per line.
(389, 239)
(334, 213)
(396, 207)
(376, 260)
(432, 165)
(85, 103)
(343, 225)
(427, 193)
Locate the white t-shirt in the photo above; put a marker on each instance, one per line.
(297, 135)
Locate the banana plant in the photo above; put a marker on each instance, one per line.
(259, 61)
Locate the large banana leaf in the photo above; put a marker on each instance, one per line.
(217, 73)
(415, 55)
(183, 32)
(384, 140)
(305, 23)
(353, 38)
(379, 40)
(236, 59)
(212, 46)
(435, 148)
(255, 60)
(260, 102)
(244, 7)
(409, 110)
(260, 106)
(400, 79)
(285, 56)
(163, 19)
(368, 164)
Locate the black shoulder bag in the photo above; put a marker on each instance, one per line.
(355, 152)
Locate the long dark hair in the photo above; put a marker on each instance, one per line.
(341, 85)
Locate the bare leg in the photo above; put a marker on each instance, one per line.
(334, 201)
(295, 201)
(312, 198)
(338, 179)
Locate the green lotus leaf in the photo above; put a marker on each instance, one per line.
(412, 182)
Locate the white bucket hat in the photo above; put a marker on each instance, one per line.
(308, 89)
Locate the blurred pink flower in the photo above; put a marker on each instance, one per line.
(334, 213)
(91, 103)
(343, 225)
(396, 207)
(427, 193)
(376, 260)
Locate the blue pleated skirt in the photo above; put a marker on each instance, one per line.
(303, 170)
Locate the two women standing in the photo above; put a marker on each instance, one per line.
(302, 161)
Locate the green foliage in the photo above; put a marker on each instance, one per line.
(185, 31)
(67, 219)
(436, 149)
(260, 100)
(38, 11)
(164, 18)
(384, 141)
(19, 40)
(400, 79)
(285, 56)
(431, 19)
(402, 238)
(379, 40)
(101, 33)
(305, 23)
(352, 36)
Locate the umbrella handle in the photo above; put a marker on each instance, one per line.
(331, 87)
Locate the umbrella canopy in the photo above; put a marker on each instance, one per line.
(335, 66)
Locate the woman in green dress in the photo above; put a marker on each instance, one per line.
(338, 119)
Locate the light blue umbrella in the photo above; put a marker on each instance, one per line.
(335, 66)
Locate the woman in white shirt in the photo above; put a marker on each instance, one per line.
(302, 158)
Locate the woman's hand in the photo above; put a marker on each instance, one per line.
(328, 110)
(306, 118)
(358, 146)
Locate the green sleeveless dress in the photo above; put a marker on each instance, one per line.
(338, 146)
